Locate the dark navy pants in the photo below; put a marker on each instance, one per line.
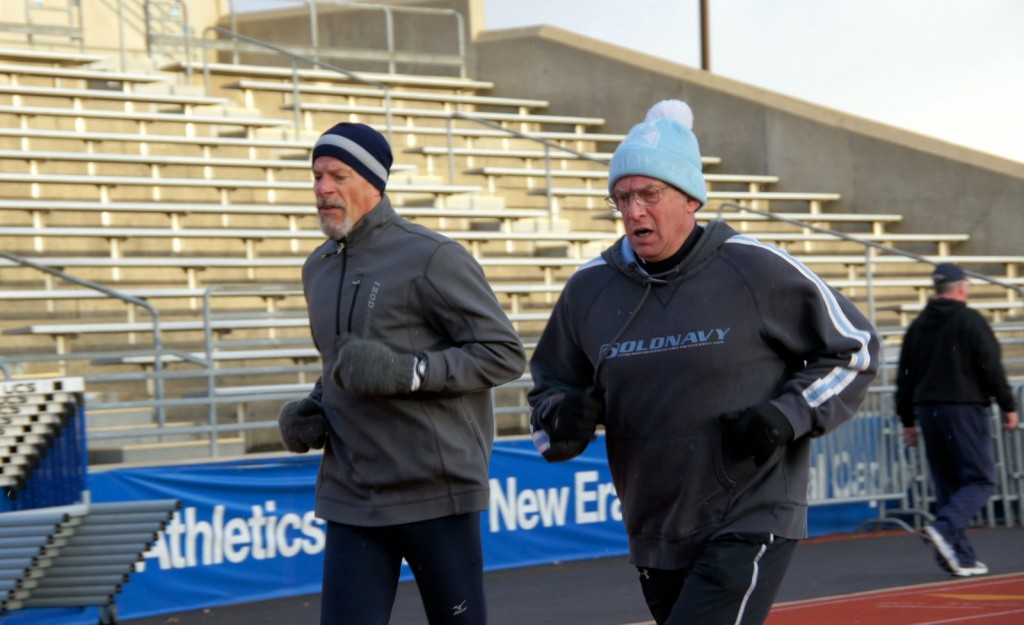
(362, 566)
(734, 580)
(961, 456)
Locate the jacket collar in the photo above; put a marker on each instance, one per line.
(379, 217)
(622, 256)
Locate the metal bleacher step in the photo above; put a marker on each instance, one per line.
(97, 420)
(142, 453)
(132, 436)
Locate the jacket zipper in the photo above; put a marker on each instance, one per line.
(341, 287)
(352, 306)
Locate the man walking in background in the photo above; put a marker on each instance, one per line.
(949, 374)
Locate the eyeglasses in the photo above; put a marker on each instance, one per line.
(645, 197)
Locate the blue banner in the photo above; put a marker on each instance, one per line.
(246, 530)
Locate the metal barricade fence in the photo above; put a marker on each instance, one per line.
(862, 461)
(865, 460)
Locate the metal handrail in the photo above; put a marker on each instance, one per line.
(150, 37)
(157, 337)
(548, 147)
(389, 24)
(295, 58)
(869, 247)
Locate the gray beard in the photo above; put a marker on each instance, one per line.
(336, 231)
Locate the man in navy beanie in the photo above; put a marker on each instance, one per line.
(950, 373)
(711, 359)
(412, 340)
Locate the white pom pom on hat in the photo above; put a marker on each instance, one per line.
(662, 147)
(671, 109)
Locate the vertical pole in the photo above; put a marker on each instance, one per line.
(705, 37)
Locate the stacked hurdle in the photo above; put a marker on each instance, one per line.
(57, 549)
(42, 443)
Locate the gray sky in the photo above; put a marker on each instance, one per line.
(951, 69)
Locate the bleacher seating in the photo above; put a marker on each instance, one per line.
(163, 194)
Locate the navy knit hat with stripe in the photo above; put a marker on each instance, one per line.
(360, 147)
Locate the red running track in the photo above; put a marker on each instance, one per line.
(992, 600)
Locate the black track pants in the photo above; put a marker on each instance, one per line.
(362, 567)
(734, 581)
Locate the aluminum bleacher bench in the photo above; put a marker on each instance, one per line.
(325, 76)
(762, 198)
(437, 150)
(295, 353)
(115, 235)
(250, 87)
(942, 241)
(574, 240)
(306, 108)
(142, 118)
(192, 266)
(876, 220)
(877, 234)
(59, 58)
(998, 309)
(143, 293)
(159, 159)
(753, 182)
(234, 391)
(1012, 264)
(63, 332)
(291, 212)
(207, 143)
(220, 325)
(77, 96)
(77, 73)
(223, 185)
(480, 132)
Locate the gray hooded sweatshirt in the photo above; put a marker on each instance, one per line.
(734, 324)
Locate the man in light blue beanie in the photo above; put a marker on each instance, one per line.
(711, 359)
(664, 147)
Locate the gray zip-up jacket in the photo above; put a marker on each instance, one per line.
(735, 324)
(425, 454)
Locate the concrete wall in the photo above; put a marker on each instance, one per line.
(936, 186)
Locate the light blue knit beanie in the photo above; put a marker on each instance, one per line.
(663, 147)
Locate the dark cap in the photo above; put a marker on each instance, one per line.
(360, 147)
(947, 272)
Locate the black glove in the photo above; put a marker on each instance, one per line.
(303, 425)
(757, 431)
(367, 367)
(570, 416)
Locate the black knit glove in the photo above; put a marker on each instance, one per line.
(570, 416)
(367, 367)
(303, 425)
(756, 431)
